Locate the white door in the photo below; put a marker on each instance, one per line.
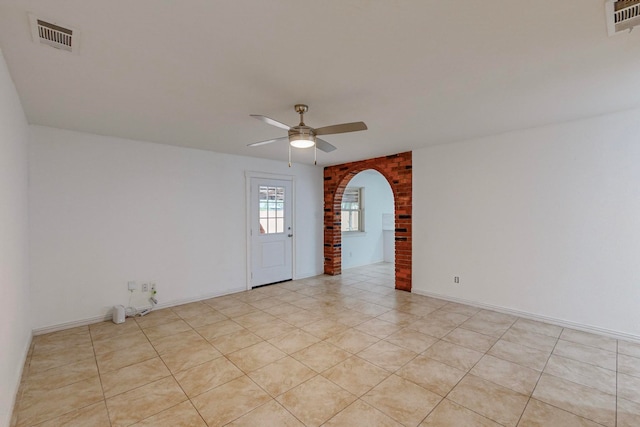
(271, 231)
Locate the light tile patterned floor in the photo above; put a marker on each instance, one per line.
(336, 351)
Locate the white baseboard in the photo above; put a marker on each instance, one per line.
(533, 316)
(108, 316)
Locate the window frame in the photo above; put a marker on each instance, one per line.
(360, 210)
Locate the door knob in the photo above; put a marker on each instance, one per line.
(290, 235)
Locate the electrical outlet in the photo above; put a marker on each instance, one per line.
(153, 286)
(145, 287)
(456, 279)
(132, 286)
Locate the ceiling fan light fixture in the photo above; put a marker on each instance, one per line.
(302, 141)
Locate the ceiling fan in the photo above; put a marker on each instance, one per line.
(303, 136)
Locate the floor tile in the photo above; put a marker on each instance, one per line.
(402, 400)
(294, 341)
(109, 329)
(181, 415)
(254, 319)
(411, 340)
(119, 359)
(324, 328)
(271, 414)
(256, 356)
(587, 354)
(353, 340)
(431, 374)
(184, 359)
(273, 329)
(581, 400)
(361, 414)
(530, 339)
(453, 355)
(387, 356)
(182, 341)
(156, 317)
(520, 354)
(321, 356)
(434, 327)
(281, 375)
(629, 365)
(470, 339)
(65, 356)
(538, 327)
(398, 318)
(582, 373)
(204, 319)
(629, 348)
(300, 318)
(133, 376)
(316, 401)
(166, 329)
(629, 387)
(136, 405)
(356, 375)
(238, 309)
(218, 329)
(507, 374)
(197, 380)
(41, 405)
(93, 415)
(229, 401)
(628, 413)
(235, 341)
(63, 375)
(485, 327)
(539, 414)
(490, 400)
(378, 328)
(123, 341)
(593, 340)
(448, 413)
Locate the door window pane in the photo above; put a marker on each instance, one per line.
(271, 209)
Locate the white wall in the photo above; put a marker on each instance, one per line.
(15, 327)
(367, 248)
(106, 210)
(543, 221)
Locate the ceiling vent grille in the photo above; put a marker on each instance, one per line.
(622, 15)
(54, 35)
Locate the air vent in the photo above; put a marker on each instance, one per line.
(622, 15)
(53, 34)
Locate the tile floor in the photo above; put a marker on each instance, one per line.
(335, 351)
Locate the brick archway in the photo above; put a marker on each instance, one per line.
(397, 170)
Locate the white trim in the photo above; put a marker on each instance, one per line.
(533, 316)
(248, 176)
(109, 315)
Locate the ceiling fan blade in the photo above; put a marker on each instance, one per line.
(271, 121)
(341, 128)
(323, 145)
(269, 141)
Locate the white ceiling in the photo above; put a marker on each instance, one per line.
(418, 72)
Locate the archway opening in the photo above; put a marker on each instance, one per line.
(368, 227)
(397, 169)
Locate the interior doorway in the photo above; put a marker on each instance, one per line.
(397, 169)
(368, 227)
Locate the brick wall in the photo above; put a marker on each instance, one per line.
(397, 170)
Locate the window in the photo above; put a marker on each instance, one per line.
(271, 210)
(352, 209)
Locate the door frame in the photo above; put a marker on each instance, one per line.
(249, 175)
